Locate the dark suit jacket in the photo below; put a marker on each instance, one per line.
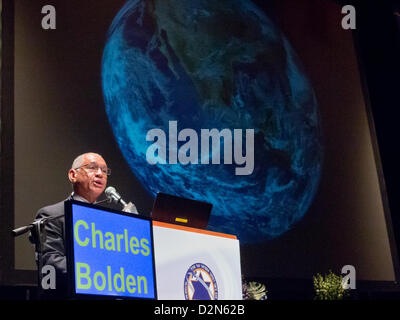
(53, 247)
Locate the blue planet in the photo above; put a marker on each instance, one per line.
(216, 64)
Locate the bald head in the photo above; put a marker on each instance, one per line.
(80, 160)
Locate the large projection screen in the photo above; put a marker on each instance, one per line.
(60, 112)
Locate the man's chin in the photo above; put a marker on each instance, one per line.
(97, 191)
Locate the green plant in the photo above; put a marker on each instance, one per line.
(329, 287)
(254, 290)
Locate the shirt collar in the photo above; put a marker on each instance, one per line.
(78, 197)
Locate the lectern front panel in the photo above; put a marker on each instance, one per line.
(110, 254)
(195, 264)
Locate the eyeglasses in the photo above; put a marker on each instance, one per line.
(94, 167)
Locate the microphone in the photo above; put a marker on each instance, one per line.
(113, 195)
(17, 232)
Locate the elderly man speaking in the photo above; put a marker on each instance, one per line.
(88, 176)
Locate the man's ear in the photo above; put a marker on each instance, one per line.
(72, 175)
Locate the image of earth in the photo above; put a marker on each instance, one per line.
(216, 64)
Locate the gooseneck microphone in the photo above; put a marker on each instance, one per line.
(113, 196)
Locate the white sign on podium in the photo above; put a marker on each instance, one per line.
(194, 264)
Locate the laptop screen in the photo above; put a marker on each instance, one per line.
(177, 210)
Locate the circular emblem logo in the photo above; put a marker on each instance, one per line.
(200, 283)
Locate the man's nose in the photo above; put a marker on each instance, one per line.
(99, 172)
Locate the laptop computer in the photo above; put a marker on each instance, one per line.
(176, 210)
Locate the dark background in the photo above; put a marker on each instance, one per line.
(59, 113)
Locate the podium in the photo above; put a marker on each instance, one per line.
(111, 254)
(195, 264)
